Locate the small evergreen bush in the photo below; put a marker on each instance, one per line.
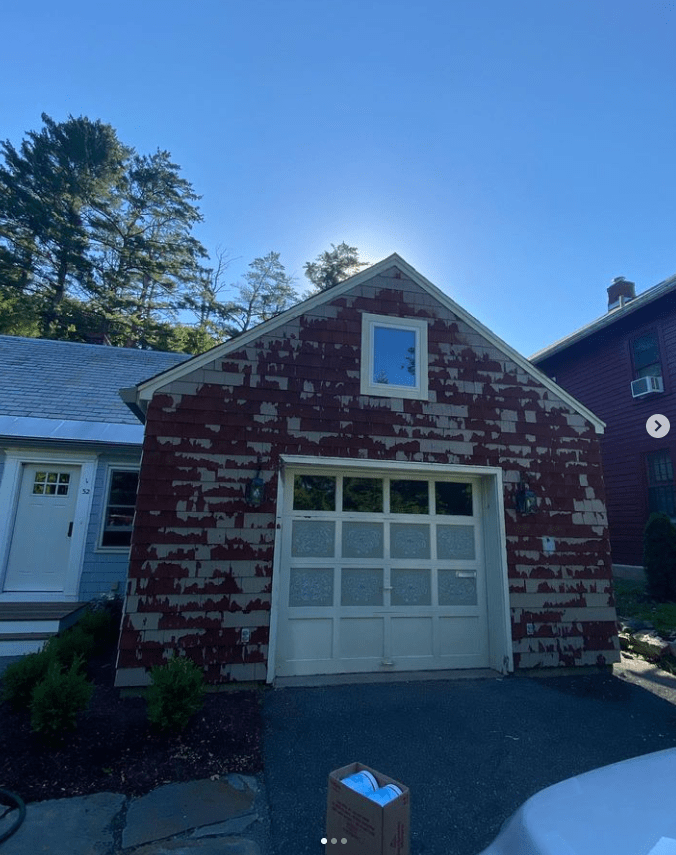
(176, 693)
(659, 557)
(98, 623)
(74, 643)
(58, 698)
(22, 676)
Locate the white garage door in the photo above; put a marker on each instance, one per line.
(380, 573)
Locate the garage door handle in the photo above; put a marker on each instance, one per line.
(387, 588)
(70, 529)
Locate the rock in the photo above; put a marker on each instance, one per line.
(649, 644)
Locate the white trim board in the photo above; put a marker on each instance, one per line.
(140, 395)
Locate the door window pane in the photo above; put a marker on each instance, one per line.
(364, 495)
(409, 541)
(361, 586)
(453, 499)
(314, 493)
(313, 538)
(409, 497)
(394, 356)
(455, 542)
(362, 540)
(457, 588)
(311, 587)
(411, 588)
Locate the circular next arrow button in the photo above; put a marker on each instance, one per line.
(658, 426)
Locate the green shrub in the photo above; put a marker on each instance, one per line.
(22, 676)
(72, 644)
(659, 557)
(176, 693)
(98, 623)
(58, 698)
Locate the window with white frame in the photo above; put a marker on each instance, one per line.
(118, 517)
(393, 357)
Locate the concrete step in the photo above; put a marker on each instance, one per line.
(25, 626)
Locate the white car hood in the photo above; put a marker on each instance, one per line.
(627, 808)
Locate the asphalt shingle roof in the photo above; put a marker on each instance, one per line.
(46, 379)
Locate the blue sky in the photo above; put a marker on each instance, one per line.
(517, 154)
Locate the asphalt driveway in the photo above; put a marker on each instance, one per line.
(471, 751)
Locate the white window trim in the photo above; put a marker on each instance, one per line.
(111, 467)
(420, 390)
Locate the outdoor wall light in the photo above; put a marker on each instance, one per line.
(526, 500)
(255, 489)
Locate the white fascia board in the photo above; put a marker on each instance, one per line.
(147, 389)
(300, 461)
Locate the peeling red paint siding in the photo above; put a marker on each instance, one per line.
(201, 560)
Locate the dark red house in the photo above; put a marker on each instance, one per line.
(346, 487)
(623, 367)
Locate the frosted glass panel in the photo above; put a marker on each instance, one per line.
(409, 541)
(457, 588)
(313, 538)
(311, 587)
(411, 587)
(362, 540)
(361, 587)
(455, 542)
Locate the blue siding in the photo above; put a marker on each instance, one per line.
(102, 570)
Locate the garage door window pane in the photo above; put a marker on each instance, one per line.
(455, 542)
(314, 493)
(453, 499)
(363, 495)
(409, 497)
(411, 588)
(313, 539)
(361, 587)
(311, 587)
(409, 541)
(362, 540)
(457, 588)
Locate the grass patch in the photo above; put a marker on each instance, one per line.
(633, 601)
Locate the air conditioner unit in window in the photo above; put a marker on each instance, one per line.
(646, 386)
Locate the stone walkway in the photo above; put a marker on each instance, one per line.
(208, 817)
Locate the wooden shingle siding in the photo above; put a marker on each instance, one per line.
(201, 561)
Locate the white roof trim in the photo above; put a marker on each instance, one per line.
(649, 296)
(147, 389)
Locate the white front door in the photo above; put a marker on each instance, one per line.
(381, 572)
(41, 537)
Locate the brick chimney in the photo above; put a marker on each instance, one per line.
(621, 291)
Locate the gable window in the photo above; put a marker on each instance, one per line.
(661, 492)
(646, 355)
(393, 357)
(118, 515)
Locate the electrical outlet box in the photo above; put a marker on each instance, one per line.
(530, 628)
(245, 635)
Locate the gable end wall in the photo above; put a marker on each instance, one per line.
(201, 559)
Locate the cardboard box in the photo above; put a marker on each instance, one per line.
(369, 828)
